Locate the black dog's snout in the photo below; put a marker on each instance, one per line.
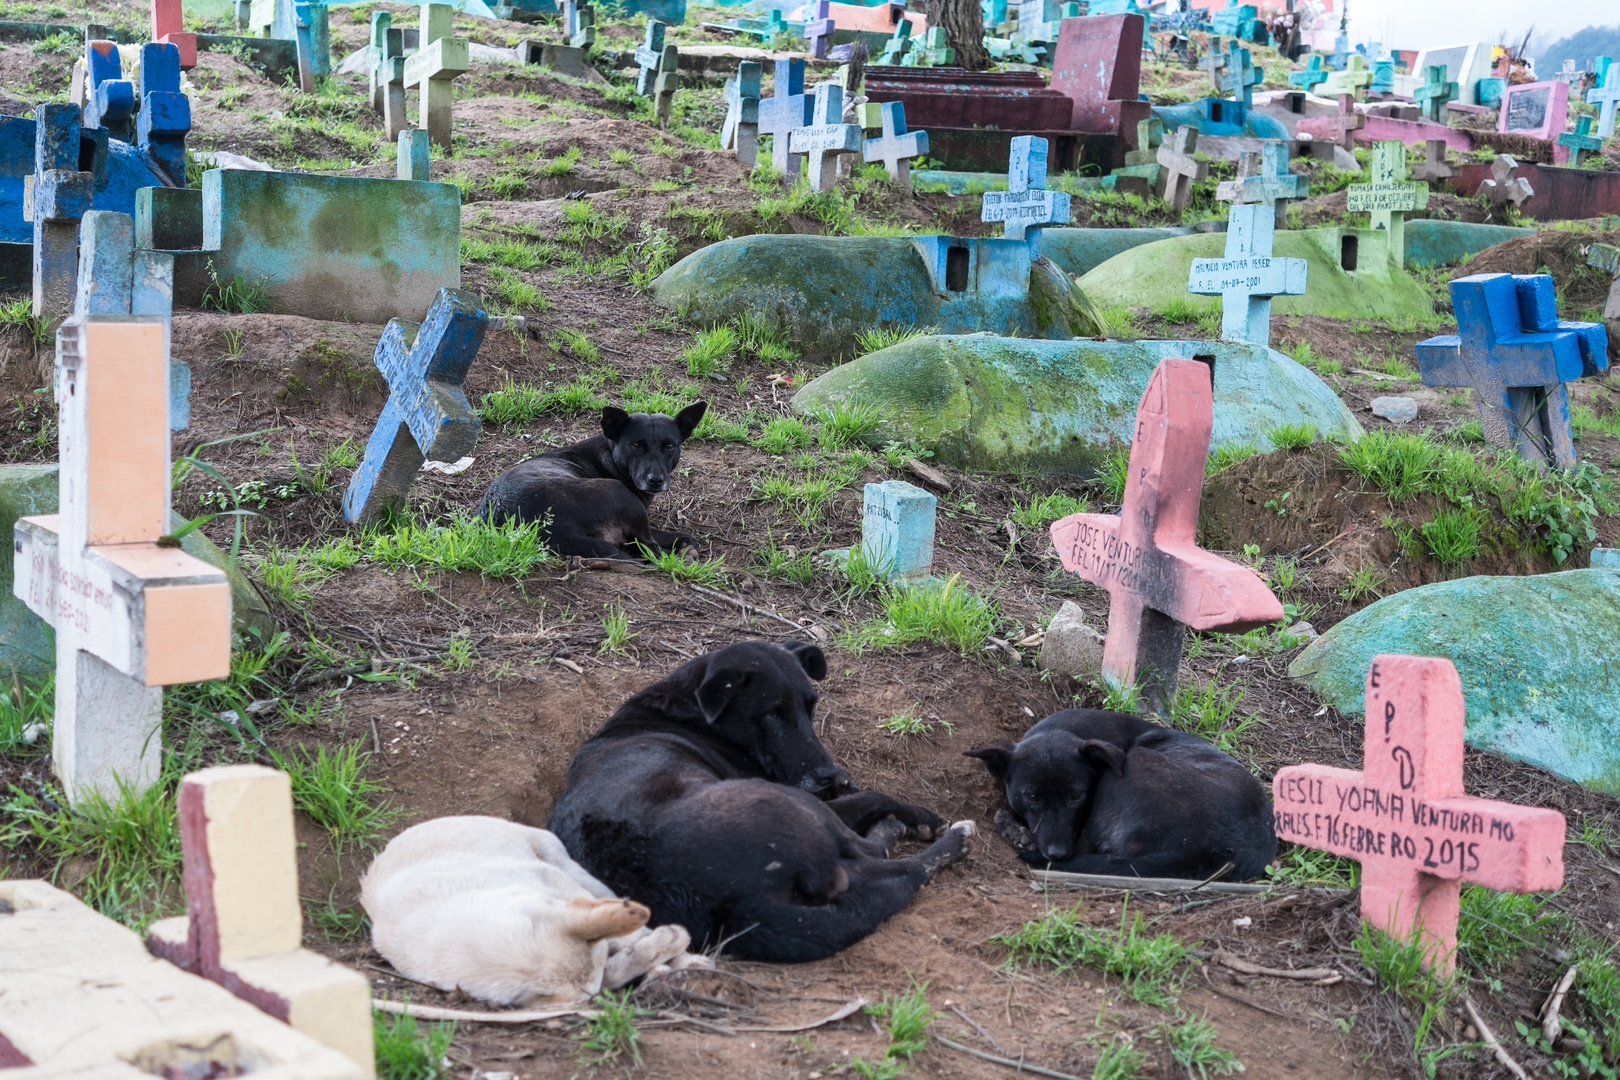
(828, 780)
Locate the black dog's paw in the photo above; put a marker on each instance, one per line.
(919, 822)
(886, 834)
(954, 845)
(1013, 831)
(1035, 858)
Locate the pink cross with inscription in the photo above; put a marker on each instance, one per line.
(167, 27)
(1158, 579)
(1405, 818)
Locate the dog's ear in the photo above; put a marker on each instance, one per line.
(997, 757)
(1104, 754)
(810, 657)
(614, 421)
(690, 417)
(717, 689)
(592, 920)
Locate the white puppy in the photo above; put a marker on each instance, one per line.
(500, 911)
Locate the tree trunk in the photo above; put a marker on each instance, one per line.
(963, 23)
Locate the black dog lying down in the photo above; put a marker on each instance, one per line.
(703, 798)
(1108, 793)
(597, 491)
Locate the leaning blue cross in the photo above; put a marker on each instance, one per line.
(1580, 142)
(165, 116)
(109, 98)
(1314, 73)
(427, 416)
(1517, 355)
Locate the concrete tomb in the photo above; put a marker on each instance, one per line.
(131, 613)
(245, 926)
(1389, 196)
(1464, 65)
(1249, 275)
(1516, 354)
(1159, 581)
(740, 132)
(427, 417)
(432, 70)
(826, 138)
(1026, 207)
(895, 146)
(1405, 818)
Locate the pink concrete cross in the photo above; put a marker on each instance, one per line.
(167, 27)
(1404, 815)
(1159, 581)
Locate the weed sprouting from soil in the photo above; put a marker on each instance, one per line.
(405, 1053)
(845, 422)
(611, 1038)
(1191, 1042)
(1111, 478)
(1228, 454)
(26, 711)
(1452, 537)
(1042, 510)
(329, 788)
(1147, 964)
(783, 433)
(466, 543)
(687, 570)
(947, 613)
(874, 338)
(1292, 436)
(616, 633)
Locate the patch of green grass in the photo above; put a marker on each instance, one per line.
(1398, 966)
(1208, 713)
(783, 433)
(1117, 323)
(1118, 1061)
(945, 613)
(1059, 939)
(653, 393)
(1302, 866)
(1402, 465)
(234, 297)
(338, 553)
(20, 313)
(514, 404)
(1191, 1042)
(906, 724)
(27, 709)
(127, 848)
(336, 923)
(716, 428)
(285, 577)
(1181, 309)
(610, 1039)
(1495, 928)
(562, 164)
(1227, 454)
(616, 633)
(682, 567)
(786, 564)
(874, 338)
(576, 342)
(405, 1053)
(1292, 436)
(1364, 581)
(1452, 537)
(906, 1019)
(711, 351)
(1042, 510)
(845, 422)
(466, 544)
(329, 788)
(1111, 478)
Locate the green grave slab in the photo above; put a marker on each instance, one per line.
(1000, 404)
(826, 290)
(1348, 275)
(1079, 251)
(1535, 655)
(1437, 243)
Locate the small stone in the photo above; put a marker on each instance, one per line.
(31, 734)
(1605, 558)
(1302, 630)
(1397, 410)
(1071, 647)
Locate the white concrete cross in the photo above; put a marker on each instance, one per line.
(896, 146)
(1248, 277)
(1502, 186)
(827, 138)
(131, 614)
(1606, 96)
(1390, 196)
(1264, 178)
(433, 69)
(1026, 206)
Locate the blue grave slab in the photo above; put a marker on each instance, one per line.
(1516, 354)
(1220, 116)
(427, 417)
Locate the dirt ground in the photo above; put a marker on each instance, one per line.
(469, 694)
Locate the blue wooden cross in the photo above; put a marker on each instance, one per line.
(788, 108)
(109, 98)
(1517, 355)
(1605, 95)
(818, 30)
(896, 146)
(165, 115)
(1026, 205)
(427, 416)
(649, 58)
(58, 199)
(1314, 73)
(1580, 141)
(1435, 92)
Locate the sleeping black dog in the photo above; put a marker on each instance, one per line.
(1108, 793)
(708, 798)
(594, 494)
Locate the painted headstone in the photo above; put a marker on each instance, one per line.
(1405, 818)
(1433, 167)
(1605, 96)
(934, 52)
(896, 146)
(385, 62)
(433, 69)
(826, 138)
(1580, 142)
(1097, 62)
(1389, 197)
(1539, 110)
(167, 28)
(1502, 187)
(897, 530)
(1314, 73)
(1516, 353)
(818, 30)
(740, 132)
(658, 75)
(787, 108)
(427, 417)
(1264, 178)
(1181, 169)
(245, 927)
(312, 41)
(899, 43)
(412, 160)
(1158, 580)
(1435, 92)
(1249, 276)
(1026, 207)
(109, 98)
(131, 614)
(165, 116)
(57, 196)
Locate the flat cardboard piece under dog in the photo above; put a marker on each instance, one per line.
(1159, 581)
(1404, 815)
(245, 928)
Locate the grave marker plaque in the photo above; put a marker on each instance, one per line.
(1249, 276)
(1158, 580)
(1535, 109)
(1404, 815)
(1026, 206)
(897, 530)
(1389, 197)
(826, 139)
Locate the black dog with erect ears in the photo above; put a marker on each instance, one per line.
(592, 496)
(1109, 793)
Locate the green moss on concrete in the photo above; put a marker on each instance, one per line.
(1437, 243)
(1535, 655)
(998, 404)
(1155, 275)
(1079, 251)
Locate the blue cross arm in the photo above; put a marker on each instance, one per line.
(163, 112)
(443, 423)
(115, 101)
(1440, 361)
(62, 194)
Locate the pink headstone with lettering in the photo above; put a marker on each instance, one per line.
(1538, 109)
(1405, 818)
(1159, 581)
(167, 27)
